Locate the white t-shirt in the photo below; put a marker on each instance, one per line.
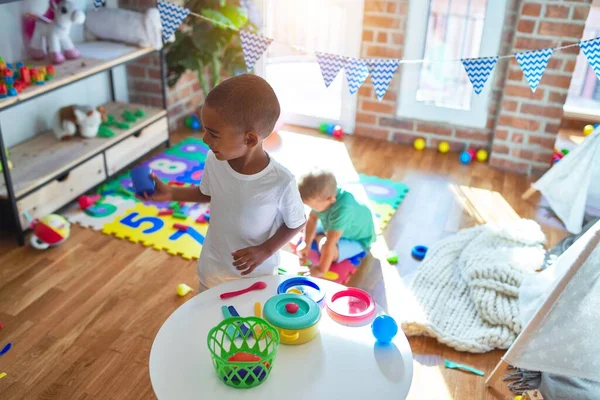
(245, 211)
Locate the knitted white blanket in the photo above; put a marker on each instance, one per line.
(466, 290)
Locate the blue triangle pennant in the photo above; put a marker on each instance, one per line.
(253, 46)
(591, 49)
(357, 72)
(382, 72)
(478, 70)
(533, 64)
(330, 65)
(171, 16)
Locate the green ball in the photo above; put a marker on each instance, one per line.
(323, 127)
(188, 121)
(565, 151)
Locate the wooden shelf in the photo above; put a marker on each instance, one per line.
(44, 158)
(70, 71)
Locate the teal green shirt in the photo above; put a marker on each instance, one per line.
(354, 219)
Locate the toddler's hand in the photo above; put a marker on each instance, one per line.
(248, 259)
(302, 250)
(162, 191)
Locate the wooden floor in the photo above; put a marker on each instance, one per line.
(82, 317)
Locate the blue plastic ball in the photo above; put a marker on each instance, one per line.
(465, 157)
(384, 329)
(195, 124)
(330, 129)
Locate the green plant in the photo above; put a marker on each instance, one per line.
(211, 50)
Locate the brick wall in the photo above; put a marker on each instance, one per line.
(144, 81)
(529, 24)
(528, 122)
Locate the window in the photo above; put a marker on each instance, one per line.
(442, 30)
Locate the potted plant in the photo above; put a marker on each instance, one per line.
(212, 50)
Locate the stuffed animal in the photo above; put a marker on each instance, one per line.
(74, 119)
(48, 231)
(52, 30)
(142, 29)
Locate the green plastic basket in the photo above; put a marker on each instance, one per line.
(228, 338)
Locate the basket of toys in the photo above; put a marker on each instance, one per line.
(243, 350)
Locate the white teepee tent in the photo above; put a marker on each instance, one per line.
(567, 184)
(559, 310)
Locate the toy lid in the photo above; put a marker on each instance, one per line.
(307, 315)
(307, 286)
(351, 304)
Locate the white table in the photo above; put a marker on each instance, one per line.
(340, 363)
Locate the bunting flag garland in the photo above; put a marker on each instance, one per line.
(330, 65)
(591, 49)
(253, 46)
(99, 3)
(382, 72)
(478, 70)
(533, 64)
(357, 72)
(171, 16)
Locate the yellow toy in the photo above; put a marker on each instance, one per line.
(183, 289)
(482, 155)
(419, 144)
(588, 129)
(444, 147)
(49, 231)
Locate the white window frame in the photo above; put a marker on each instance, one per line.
(408, 106)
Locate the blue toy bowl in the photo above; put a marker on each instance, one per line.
(309, 288)
(419, 252)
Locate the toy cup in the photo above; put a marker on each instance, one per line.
(142, 181)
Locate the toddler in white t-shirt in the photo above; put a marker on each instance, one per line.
(255, 206)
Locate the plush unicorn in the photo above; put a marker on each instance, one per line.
(52, 30)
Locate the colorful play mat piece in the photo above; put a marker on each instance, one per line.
(120, 214)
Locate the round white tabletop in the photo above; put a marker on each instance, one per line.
(341, 362)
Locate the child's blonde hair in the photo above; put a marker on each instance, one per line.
(318, 183)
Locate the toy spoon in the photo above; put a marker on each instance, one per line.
(255, 286)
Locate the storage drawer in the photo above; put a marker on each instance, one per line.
(132, 148)
(61, 191)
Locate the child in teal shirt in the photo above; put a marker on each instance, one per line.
(342, 227)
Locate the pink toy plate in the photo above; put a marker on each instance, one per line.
(351, 306)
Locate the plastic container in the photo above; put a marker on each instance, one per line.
(351, 306)
(298, 327)
(142, 182)
(306, 286)
(261, 340)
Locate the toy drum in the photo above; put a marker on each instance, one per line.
(305, 286)
(296, 317)
(351, 306)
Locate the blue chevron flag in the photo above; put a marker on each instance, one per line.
(331, 65)
(99, 3)
(253, 46)
(533, 64)
(171, 16)
(478, 70)
(357, 71)
(591, 49)
(382, 72)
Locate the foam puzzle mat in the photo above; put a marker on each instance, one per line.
(120, 214)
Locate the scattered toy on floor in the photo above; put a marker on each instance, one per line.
(588, 130)
(419, 144)
(193, 122)
(465, 158)
(453, 365)
(384, 329)
(183, 289)
(392, 257)
(86, 202)
(482, 155)
(332, 130)
(444, 147)
(2, 375)
(181, 227)
(419, 252)
(5, 349)
(142, 180)
(49, 231)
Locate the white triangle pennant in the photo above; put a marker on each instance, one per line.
(171, 16)
(533, 64)
(331, 65)
(253, 46)
(478, 70)
(591, 49)
(357, 72)
(382, 73)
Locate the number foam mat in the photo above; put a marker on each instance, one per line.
(120, 214)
